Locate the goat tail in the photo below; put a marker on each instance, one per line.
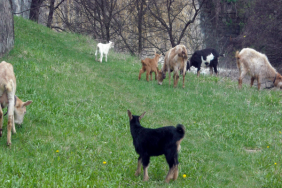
(181, 130)
(143, 63)
(237, 59)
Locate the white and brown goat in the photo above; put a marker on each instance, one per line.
(16, 107)
(150, 65)
(257, 65)
(175, 60)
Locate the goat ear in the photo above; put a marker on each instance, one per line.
(142, 115)
(129, 115)
(27, 103)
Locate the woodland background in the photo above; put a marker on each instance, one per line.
(142, 26)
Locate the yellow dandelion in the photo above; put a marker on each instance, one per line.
(275, 163)
(57, 151)
(184, 175)
(279, 131)
(267, 146)
(245, 36)
(104, 162)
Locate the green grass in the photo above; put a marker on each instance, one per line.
(79, 108)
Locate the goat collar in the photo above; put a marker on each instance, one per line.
(274, 78)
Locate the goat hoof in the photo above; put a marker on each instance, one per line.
(137, 173)
(9, 143)
(146, 178)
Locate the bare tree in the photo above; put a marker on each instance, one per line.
(52, 8)
(7, 27)
(99, 15)
(174, 17)
(141, 10)
(34, 9)
(135, 25)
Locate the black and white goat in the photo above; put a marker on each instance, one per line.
(208, 56)
(155, 142)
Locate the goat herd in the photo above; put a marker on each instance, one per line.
(248, 61)
(149, 142)
(166, 140)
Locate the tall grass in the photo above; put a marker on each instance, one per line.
(78, 121)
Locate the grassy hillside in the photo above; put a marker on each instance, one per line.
(78, 121)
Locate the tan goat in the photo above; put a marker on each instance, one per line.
(16, 108)
(257, 65)
(150, 65)
(175, 60)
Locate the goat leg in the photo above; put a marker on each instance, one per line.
(240, 83)
(138, 167)
(175, 175)
(171, 173)
(140, 72)
(9, 128)
(146, 176)
(258, 80)
(1, 121)
(183, 86)
(176, 77)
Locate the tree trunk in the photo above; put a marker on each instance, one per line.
(51, 12)
(34, 10)
(7, 27)
(140, 11)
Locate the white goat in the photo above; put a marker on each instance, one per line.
(104, 49)
(16, 108)
(257, 65)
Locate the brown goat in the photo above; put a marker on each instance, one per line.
(175, 60)
(257, 65)
(150, 65)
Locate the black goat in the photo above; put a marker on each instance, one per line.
(208, 56)
(155, 142)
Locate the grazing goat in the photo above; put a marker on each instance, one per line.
(104, 49)
(16, 108)
(155, 142)
(208, 56)
(175, 60)
(150, 65)
(257, 65)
